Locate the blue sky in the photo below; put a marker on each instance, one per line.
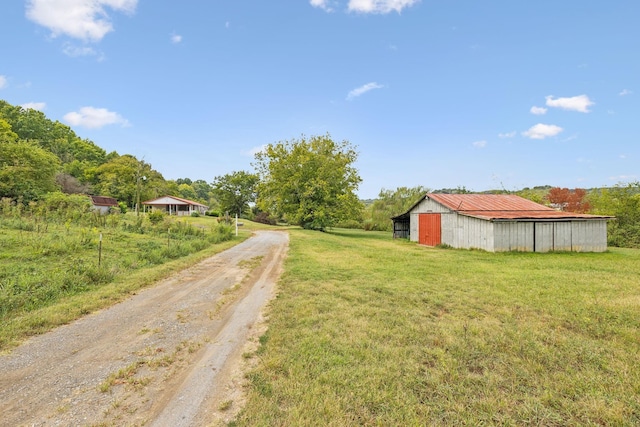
(481, 94)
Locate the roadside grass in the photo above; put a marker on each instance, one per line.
(51, 272)
(366, 330)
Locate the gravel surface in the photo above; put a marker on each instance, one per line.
(170, 355)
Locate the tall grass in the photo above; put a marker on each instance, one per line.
(50, 256)
(370, 331)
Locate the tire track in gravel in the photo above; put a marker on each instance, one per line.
(168, 356)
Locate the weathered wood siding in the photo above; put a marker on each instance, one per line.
(465, 232)
(513, 236)
(425, 206)
(589, 236)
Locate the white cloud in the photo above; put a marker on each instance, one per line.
(94, 118)
(3, 82)
(542, 131)
(507, 134)
(538, 111)
(362, 90)
(625, 92)
(379, 6)
(75, 51)
(40, 106)
(321, 4)
(255, 150)
(81, 19)
(624, 178)
(176, 38)
(579, 103)
(479, 144)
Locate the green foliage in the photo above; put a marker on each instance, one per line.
(235, 191)
(389, 204)
(623, 202)
(26, 170)
(50, 250)
(128, 179)
(264, 218)
(54, 137)
(156, 216)
(309, 182)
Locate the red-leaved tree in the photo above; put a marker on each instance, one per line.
(569, 200)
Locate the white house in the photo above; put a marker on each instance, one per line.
(176, 206)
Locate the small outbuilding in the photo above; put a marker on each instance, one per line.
(499, 222)
(103, 204)
(176, 206)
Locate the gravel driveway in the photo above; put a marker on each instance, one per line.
(171, 355)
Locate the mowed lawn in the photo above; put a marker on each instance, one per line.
(371, 331)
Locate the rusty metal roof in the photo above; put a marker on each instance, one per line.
(503, 206)
(103, 201)
(497, 207)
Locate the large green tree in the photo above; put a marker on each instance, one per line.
(391, 203)
(26, 170)
(76, 154)
(310, 182)
(235, 191)
(128, 180)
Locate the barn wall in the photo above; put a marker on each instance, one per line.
(465, 232)
(513, 236)
(425, 206)
(563, 236)
(589, 236)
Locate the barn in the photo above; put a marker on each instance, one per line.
(499, 222)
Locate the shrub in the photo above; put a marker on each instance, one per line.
(195, 214)
(264, 218)
(155, 217)
(350, 223)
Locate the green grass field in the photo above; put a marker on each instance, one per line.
(367, 330)
(52, 272)
(371, 331)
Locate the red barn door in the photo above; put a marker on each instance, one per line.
(429, 229)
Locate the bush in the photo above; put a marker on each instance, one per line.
(195, 214)
(155, 217)
(264, 218)
(350, 223)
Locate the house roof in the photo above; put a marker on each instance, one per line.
(500, 207)
(174, 201)
(103, 201)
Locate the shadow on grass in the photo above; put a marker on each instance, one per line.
(360, 234)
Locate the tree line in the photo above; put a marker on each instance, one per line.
(306, 181)
(39, 156)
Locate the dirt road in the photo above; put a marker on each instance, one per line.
(172, 355)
